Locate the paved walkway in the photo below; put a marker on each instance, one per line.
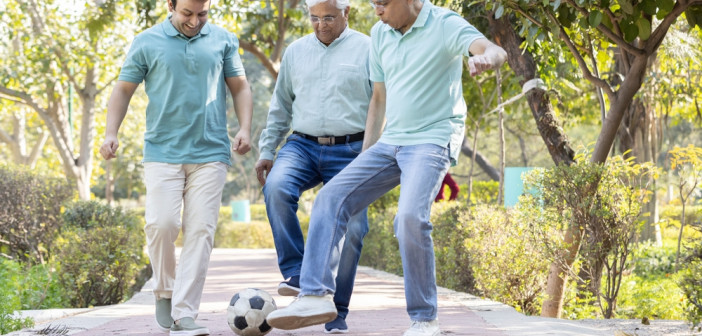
(377, 306)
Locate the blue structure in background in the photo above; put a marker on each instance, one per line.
(514, 185)
(241, 212)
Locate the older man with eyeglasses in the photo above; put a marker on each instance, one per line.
(322, 92)
(414, 130)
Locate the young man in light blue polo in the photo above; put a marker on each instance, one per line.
(187, 66)
(416, 61)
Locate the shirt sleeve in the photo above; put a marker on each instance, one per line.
(134, 68)
(376, 71)
(279, 112)
(459, 34)
(233, 66)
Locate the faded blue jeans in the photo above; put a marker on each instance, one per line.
(303, 164)
(419, 169)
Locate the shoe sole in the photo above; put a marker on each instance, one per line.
(297, 322)
(196, 332)
(336, 331)
(287, 290)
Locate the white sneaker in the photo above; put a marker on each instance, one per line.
(305, 311)
(419, 328)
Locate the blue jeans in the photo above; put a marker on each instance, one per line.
(302, 164)
(420, 170)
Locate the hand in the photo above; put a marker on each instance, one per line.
(263, 167)
(108, 150)
(479, 63)
(241, 143)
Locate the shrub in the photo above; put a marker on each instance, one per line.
(256, 234)
(9, 300)
(490, 250)
(100, 254)
(651, 260)
(656, 296)
(30, 212)
(380, 247)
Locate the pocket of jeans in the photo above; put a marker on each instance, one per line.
(355, 147)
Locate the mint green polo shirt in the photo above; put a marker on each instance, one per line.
(422, 74)
(186, 117)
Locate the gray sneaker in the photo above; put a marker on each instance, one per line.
(164, 321)
(187, 327)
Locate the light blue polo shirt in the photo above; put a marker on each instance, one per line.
(321, 90)
(186, 117)
(422, 74)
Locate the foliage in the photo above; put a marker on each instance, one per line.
(99, 254)
(478, 238)
(654, 296)
(380, 247)
(35, 286)
(687, 163)
(30, 212)
(9, 301)
(484, 192)
(604, 202)
(58, 53)
(653, 261)
(255, 234)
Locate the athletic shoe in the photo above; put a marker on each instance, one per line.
(337, 326)
(164, 321)
(290, 287)
(187, 327)
(423, 328)
(305, 311)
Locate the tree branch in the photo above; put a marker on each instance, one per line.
(617, 38)
(657, 36)
(598, 82)
(270, 65)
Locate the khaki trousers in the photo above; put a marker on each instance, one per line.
(196, 189)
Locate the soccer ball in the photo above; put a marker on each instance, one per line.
(247, 312)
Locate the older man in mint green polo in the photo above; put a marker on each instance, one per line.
(416, 61)
(187, 65)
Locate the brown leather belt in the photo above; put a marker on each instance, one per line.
(332, 140)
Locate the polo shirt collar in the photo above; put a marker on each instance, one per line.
(171, 30)
(421, 17)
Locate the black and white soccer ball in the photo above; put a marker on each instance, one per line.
(248, 310)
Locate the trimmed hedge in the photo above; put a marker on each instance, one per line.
(30, 212)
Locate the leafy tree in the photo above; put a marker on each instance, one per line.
(587, 29)
(52, 46)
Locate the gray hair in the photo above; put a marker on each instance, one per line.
(340, 4)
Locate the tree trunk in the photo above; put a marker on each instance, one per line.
(481, 161)
(522, 62)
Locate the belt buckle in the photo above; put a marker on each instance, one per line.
(325, 140)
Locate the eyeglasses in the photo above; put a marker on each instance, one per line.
(326, 19)
(379, 4)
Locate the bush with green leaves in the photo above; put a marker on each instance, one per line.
(491, 252)
(10, 302)
(30, 212)
(100, 254)
(380, 247)
(477, 250)
(599, 206)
